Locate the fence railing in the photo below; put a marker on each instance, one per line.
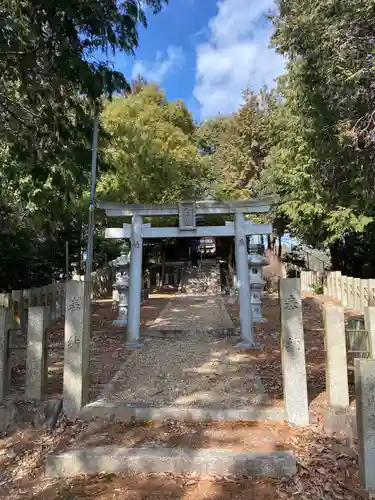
(310, 279)
(353, 293)
(52, 295)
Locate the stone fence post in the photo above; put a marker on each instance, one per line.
(333, 284)
(364, 294)
(330, 284)
(61, 292)
(52, 305)
(310, 279)
(345, 290)
(335, 354)
(338, 285)
(293, 353)
(37, 352)
(369, 315)
(33, 297)
(357, 293)
(77, 346)
(371, 292)
(365, 411)
(351, 291)
(5, 324)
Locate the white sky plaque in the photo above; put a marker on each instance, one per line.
(186, 211)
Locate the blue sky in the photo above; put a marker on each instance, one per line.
(206, 52)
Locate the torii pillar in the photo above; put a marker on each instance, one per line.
(135, 285)
(243, 284)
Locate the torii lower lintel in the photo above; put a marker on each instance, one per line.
(174, 232)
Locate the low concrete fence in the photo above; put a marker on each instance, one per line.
(351, 347)
(310, 280)
(353, 293)
(18, 302)
(52, 295)
(26, 315)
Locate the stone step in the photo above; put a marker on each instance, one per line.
(179, 333)
(118, 459)
(123, 412)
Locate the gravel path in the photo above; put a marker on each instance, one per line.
(192, 313)
(198, 371)
(193, 369)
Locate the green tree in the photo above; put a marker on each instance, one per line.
(237, 145)
(151, 149)
(50, 81)
(321, 161)
(50, 76)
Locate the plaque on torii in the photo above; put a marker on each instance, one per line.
(186, 213)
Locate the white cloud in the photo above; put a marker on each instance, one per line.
(236, 56)
(164, 64)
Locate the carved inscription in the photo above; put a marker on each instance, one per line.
(74, 304)
(292, 303)
(292, 344)
(74, 341)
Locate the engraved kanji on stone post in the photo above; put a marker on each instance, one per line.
(293, 353)
(76, 351)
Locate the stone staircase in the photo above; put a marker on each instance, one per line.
(162, 427)
(175, 441)
(205, 280)
(187, 404)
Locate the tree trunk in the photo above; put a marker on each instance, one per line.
(279, 251)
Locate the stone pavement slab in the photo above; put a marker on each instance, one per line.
(123, 412)
(115, 459)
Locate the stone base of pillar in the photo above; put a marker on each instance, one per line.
(243, 346)
(133, 345)
(120, 322)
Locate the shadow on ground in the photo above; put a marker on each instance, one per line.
(324, 464)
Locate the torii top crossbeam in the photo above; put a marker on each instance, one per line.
(257, 205)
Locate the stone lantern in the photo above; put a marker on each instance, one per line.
(121, 285)
(256, 263)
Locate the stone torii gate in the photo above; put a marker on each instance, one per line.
(187, 212)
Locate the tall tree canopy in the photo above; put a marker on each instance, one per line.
(151, 149)
(50, 81)
(236, 146)
(50, 76)
(322, 161)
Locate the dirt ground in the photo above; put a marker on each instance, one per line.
(106, 349)
(256, 436)
(327, 466)
(268, 358)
